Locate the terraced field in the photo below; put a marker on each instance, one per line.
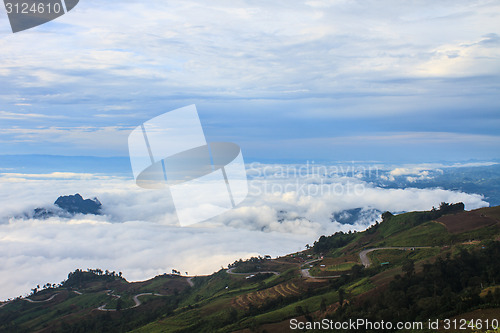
(287, 289)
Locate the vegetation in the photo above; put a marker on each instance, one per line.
(447, 287)
(456, 274)
(339, 239)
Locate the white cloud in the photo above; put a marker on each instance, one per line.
(139, 234)
(45, 251)
(251, 50)
(413, 173)
(472, 164)
(85, 138)
(425, 171)
(25, 116)
(332, 60)
(20, 177)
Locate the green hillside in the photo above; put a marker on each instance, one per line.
(413, 266)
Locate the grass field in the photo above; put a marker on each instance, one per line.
(426, 234)
(257, 298)
(223, 302)
(467, 221)
(331, 269)
(397, 257)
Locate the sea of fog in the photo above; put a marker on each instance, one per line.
(138, 234)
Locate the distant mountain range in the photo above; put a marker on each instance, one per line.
(482, 179)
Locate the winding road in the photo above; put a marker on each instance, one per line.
(31, 301)
(363, 255)
(305, 272)
(230, 271)
(110, 293)
(4, 304)
(189, 280)
(135, 298)
(45, 300)
(138, 302)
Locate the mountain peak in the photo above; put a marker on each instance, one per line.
(76, 204)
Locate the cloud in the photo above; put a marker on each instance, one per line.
(311, 69)
(462, 59)
(12, 176)
(139, 233)
(89, 139)
(25, 116)
(234, 50)
(425, 171)
(413, 173)
(308, 209)
(332, 79)
(45, 251)
(396, 147)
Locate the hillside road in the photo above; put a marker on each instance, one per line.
(363, 255)
(230, 271)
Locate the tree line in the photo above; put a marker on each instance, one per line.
(445, 288)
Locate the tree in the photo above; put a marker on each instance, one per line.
(233, 315)
(299, 310)
(409, 267)
(386, 216)
(341, 296)
(323, 305)
(356, 270)
(119, 304)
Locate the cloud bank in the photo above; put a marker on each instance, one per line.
(139, 233)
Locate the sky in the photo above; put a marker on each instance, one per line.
(286, 80)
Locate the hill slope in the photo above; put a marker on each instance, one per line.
(353, 275)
